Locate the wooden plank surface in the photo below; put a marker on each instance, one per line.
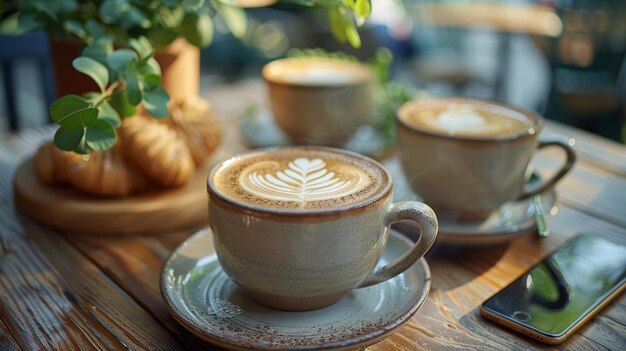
(7, 341)
(63, 300)
(108, 287)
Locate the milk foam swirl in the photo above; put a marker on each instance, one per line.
(303, 180)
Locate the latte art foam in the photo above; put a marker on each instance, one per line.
(465, 119)
(293, 178)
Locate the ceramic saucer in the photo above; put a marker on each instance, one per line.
(206, 302)
(511, 221)
(260, 130)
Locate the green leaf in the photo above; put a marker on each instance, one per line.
(119, 101)
(363, 8)
(197, 28)
(337, 28)
(151, 79)
(19, 23)
(99, 50)
(155, 102)
(142, 46)
(235, 19)
(94, 69)
(80, 119)
(109, 114)
(120, 60)
(75, 28)
(71, 140)
(138, 18)
(72, 111)
(352, 34)
(101, 136)
(192, 5)
(132, 89)
(112, 11)
(94, 28)
(161, 36)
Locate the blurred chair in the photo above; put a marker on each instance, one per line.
(33, 46)
(585, 61)
(443, 30)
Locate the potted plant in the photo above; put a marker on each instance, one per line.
(141, 58)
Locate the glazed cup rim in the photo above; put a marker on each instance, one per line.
(536, 122)
(364, 77)
(381, 194)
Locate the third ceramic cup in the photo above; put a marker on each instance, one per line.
(466, 158)
(297, 228)
(319, 101)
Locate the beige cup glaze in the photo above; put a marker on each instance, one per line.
(318, 113)
(467, 178)
(302, 260)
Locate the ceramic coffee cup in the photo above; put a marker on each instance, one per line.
(466, 157)
(319, 101)
(296, 228)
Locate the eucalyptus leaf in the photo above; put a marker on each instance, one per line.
(100, 136)
(71, 140)
(94, 69)
(10, 25)
(109, 114)
(113, 10)
(235, 19)
(161, 37)
(28, 22)
(363, 8)
(352, 34)
(120, 60)
(119, 101)
(197, 28)
(94, 28)
(133, 92)
(80, 118)
(142, 46)
(152, 79)
(136, 17)
(99, 50)
(337, 28)
(75, 28)
(66, 106)
(192, 5)
(155, 102)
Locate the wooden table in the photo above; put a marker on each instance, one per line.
(61, 292)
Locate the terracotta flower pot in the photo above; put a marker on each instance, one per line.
(179, 61)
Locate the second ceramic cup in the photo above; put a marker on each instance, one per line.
(297, 228)
(466, 157)
(319, 101)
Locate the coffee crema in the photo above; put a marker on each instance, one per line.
(314, 71)
(299, 178)
(466, 119)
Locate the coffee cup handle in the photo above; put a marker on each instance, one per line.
(419, 213)
(567, 166)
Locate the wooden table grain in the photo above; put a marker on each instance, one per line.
(62, 292)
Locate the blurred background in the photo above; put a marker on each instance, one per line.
(562, 58)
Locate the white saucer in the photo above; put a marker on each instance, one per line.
(260, 130)
(511, 221)
(205, 301)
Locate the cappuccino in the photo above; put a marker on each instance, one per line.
(467, 119)
(316, 72)
(299, 178)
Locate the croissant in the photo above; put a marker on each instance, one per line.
(100, 173)
(157, 150)
(197, 126)
(165, 153)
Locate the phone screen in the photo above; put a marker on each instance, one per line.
(564, 287)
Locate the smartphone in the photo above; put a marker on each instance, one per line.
(562, 292)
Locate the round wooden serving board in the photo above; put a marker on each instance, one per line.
(65, 208)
